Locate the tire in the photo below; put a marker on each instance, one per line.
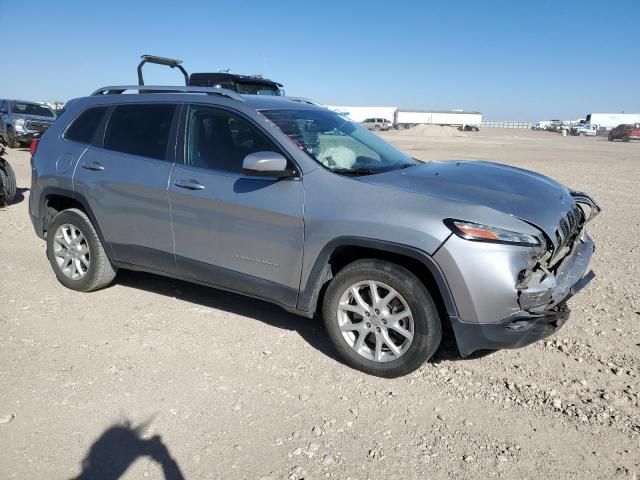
(422, 320)
(625, 138)
(7, 182)
(610, 138)
(11, 139)
(96, 271)
(376, 127)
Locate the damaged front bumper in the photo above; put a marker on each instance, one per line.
(557, 286)
(547, 313)
(495, 310)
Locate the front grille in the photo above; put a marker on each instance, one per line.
(36, 126)
(569, 226)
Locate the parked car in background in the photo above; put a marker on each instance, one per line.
(625, 132)
(554, 126)
(376, 124)
(21, 122)
(584, 129)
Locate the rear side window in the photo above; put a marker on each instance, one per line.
(141, 130)
(85, 125)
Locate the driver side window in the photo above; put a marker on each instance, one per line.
(220, 140)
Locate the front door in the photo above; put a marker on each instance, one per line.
(239, 232)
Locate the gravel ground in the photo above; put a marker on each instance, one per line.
(166, 379)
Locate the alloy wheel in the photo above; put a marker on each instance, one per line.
(375, 321)
(71, 251)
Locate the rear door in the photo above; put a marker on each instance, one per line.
(123, 177)
(240, 232)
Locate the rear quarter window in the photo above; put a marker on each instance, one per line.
(84, 127)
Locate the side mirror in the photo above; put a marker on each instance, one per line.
(269, 164)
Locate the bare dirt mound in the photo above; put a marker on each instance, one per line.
(433, 131)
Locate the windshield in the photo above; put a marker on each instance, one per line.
(338, 144)
(32, 109)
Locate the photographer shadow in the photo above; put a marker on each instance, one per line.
(119, 447)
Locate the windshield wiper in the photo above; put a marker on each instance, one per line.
(355, 171)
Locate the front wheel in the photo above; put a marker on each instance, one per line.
(76, 253)
(381, 318)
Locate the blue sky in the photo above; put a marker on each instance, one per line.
(512, 60)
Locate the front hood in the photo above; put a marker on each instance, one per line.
(529, 196)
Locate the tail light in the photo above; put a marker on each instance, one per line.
(33, 147)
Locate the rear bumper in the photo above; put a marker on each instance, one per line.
(37, 225)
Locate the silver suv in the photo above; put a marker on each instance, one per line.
(229, 190)
(21, 122)
(376, 124)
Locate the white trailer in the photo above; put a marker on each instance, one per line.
(611, 120)
(409, 118)
(360, 114)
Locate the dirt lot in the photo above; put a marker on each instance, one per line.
(161, 374)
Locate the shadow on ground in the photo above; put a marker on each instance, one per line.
(311, 330)
(119, 447)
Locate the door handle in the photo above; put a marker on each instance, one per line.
(189, 184)
(95, 166)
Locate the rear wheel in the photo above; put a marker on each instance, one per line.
(76, 253)
(381, 319)
(7, 182)
(625, 138)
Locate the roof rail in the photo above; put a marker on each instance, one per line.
(119, 89)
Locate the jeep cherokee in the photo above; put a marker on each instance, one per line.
(283, 200)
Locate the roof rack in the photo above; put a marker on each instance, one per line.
(169, 62)
(119, 89)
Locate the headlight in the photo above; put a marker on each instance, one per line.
(484, 233)
(19, 123)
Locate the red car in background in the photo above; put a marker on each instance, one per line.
(625, 132)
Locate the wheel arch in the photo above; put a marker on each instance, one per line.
(344, 250)
(55, 199)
